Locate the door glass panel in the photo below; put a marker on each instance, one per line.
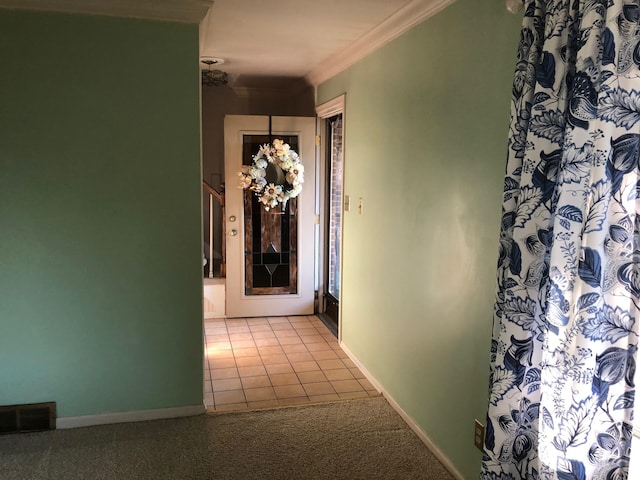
(271, 238)
(334, 205)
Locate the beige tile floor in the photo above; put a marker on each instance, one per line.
(276, 361)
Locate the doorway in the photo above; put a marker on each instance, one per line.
(270, 252)
(333, 227)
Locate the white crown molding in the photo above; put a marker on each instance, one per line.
(407, 17)
(126, 417)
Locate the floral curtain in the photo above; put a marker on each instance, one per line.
(565, 330)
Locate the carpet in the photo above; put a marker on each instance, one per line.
(350, 440)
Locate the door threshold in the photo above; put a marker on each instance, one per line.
(329, 323)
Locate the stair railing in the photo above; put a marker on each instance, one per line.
(219, 196)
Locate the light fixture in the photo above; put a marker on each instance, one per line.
(214, 78)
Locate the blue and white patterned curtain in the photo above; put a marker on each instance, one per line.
(565, 331)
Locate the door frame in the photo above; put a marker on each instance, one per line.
(235, 126)
(325, 111)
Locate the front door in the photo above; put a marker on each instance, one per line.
(270, 254)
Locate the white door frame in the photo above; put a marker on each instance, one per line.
(324, 111)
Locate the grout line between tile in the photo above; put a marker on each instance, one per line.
(244, 325)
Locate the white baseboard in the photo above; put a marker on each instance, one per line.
(126, 417)
(448, 464)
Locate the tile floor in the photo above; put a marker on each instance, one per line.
(276, 361)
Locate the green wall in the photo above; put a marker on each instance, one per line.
(425, 142)
(100, 245)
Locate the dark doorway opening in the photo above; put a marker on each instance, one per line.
(333, 239)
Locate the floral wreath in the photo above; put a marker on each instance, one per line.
(275, 176)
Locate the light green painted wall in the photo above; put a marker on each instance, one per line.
(100, 245)
(426, 135)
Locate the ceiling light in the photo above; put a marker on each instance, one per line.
(214, 78)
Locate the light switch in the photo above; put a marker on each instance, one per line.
(360, 206)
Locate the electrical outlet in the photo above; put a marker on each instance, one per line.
(478, 435)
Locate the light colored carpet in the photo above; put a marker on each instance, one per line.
(350, 440)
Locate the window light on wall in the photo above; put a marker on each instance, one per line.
(514, 6)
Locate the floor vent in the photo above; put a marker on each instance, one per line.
(32, 417)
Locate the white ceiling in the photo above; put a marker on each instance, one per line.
(278, 38)
(288, 37)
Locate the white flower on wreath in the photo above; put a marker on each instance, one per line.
(259, 185)
(245, 180)
(265, 151)
(252, 177)
(294, 192)
(285, 164)
(282, 149)
(271, 196)
(257, 172)
(295, 175)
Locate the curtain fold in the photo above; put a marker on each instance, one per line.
(565, 330)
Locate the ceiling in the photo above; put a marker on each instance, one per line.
(312, 39)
